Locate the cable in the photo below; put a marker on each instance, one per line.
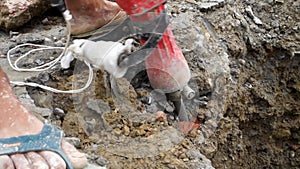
(48, 65)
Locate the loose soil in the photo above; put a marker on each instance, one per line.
(245, 72)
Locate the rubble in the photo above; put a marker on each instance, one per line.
(251, 14)
(209, 4)
(15, 13)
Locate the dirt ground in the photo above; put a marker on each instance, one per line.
(244, 57)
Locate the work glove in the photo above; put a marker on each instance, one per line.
(101, 54)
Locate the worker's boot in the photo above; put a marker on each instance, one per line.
(89, 15)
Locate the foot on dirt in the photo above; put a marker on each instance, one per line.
(17, 120)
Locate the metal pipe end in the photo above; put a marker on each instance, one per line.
(188, 92)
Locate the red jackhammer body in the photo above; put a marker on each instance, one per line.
(166, 66)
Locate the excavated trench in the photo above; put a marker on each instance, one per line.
(247, 82)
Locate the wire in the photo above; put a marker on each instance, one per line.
(48, 65)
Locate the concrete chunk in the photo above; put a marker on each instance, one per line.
(15, 13)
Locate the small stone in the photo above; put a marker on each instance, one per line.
(126, 131)
(74, 141)
(248, 85)
(59, 43)
(147, 99)
(45, 21)
(292, 154)
(252, 16)
(47, 40)
(58, 111)
(279, 1)
(102, 161)
(185, 160)
(118, 131)
(39, 62)
(242, 61)
(160, 116)
(12, 34)
(14, 13)
(210, 4)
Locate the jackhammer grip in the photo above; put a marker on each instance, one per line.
(60, 4)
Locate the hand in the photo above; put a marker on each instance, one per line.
(102, 54)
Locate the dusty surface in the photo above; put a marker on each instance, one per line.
(15, 13)
(245, 63)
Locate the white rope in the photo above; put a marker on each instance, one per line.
(48, 65)
(90, 79)
(35, 69)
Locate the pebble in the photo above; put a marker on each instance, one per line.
(45, 21)
(74, 141)
(102, 161)
(210, 4)
(248, 85)
(39, 62)
(12, 33)
(58, 111)
(147, 100)
(292, 154)
(251, 14)
(160, 116)
(185, 159)
(279, 1)
(126, 131)
(59, 43)
(47, 40)
(242, 61)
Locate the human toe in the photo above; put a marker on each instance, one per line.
(20, 161)
(36, 161)
(77, 159)
(6, 162)
(53, 159)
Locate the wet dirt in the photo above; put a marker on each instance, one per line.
(245, 74)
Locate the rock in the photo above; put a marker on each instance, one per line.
(279, 1)
(15, 13)
(74, 141)
(208, 4)
(102, 161)
(160, 116)
(251, 14)
(99, 106)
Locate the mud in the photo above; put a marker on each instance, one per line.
(245, 64)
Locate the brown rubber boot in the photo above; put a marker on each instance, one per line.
(89, 15)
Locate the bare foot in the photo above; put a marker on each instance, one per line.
(17, 120)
